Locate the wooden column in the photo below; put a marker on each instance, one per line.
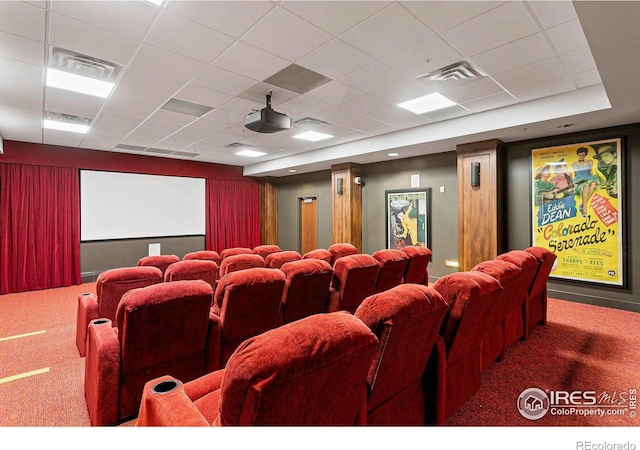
(346, 204)
(268, 212)
(480, 235)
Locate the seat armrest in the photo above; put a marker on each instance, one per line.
(214, 343)
(165, 403)
(204, 385)
(102, 372)
(87, 311)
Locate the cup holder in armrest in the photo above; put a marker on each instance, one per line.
(164, 386)
(99, 321)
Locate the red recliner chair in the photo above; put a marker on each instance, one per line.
(406, 320)
(509, 276)
(111, 285)
(306, 291)
(536, 305)
(266, 249)
(341, 249)
(207, 255)
(277, 259)
(246, 303)
(417, 268)
(514, 324)
(235, 251)
(354, 279)
(319, 253)
(158, 329)
(309, 372)
(159, 261)
(393, 265)
(453, 371)
(193, 269)
(240, 261)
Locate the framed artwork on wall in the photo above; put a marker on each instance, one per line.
(577, 209)
(408, 215)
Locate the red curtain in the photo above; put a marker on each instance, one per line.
(233, 214)
(39, 227)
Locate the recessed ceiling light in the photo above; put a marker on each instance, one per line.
(77, 83)
(252, 153)
(66, 126)
(565, 125)
(292, 170)
(312, 136)
(427, 103)
(393, 154)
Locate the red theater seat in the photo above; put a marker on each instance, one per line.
(453, 372)
(241, 261)
(159, 261)
(266, 249)
(341, 249)
(246, 303)
(158, 329)
(536, 305)
(417, 269)
(319, 253)
(354, 279)
(111, 285)
(393, 265)
(406, 320)
(207, 255)
(235, 251)
(306, 291)
(193, 269)
(309, 372)
(277, 259)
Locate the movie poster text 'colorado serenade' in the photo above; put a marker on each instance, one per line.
(577, 214)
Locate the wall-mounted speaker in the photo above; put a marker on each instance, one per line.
(339, 185)
(475, 174)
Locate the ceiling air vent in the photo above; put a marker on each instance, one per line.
(310, 121)
(462, 70)
(86, 66)
(238, 145)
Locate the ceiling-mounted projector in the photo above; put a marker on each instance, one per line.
(267, 120)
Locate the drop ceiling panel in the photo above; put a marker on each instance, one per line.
(21, 49)
(536, 73)
(286, 35)
(90, 40)
(507, 23)
(23, 20)
(551, 14)
(62, 138)
(132, 20)
(481, 87)
(154, 60)
(11, 68)
(21, 93)
(336, 17)
(442, 15)
(65, 102)
(389, 31)
(398, 117)
(579, 61)
(364, 123)
(568, 37)
(544, 89)
(187, 38)
(374, 77)
(229, 17)
(335, 93)
(491, 102)
(223, 81)
(250, 61)
(516, 54)
(336, 59)
(202, 96)
(424, 57)
(365, 104)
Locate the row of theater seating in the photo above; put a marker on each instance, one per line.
(244, 302)
(410, 355)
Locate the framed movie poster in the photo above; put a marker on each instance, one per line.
(408, 217)
(577, 209)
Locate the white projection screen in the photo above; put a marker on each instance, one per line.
(117, 205)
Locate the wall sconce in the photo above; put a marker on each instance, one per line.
(475, 174)
(339, 185)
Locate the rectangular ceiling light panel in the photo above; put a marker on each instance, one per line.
(427, 103)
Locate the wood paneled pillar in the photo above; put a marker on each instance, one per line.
(268, 212)
(480, 218)
(346, 204)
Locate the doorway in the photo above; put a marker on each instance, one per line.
(308, 224)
